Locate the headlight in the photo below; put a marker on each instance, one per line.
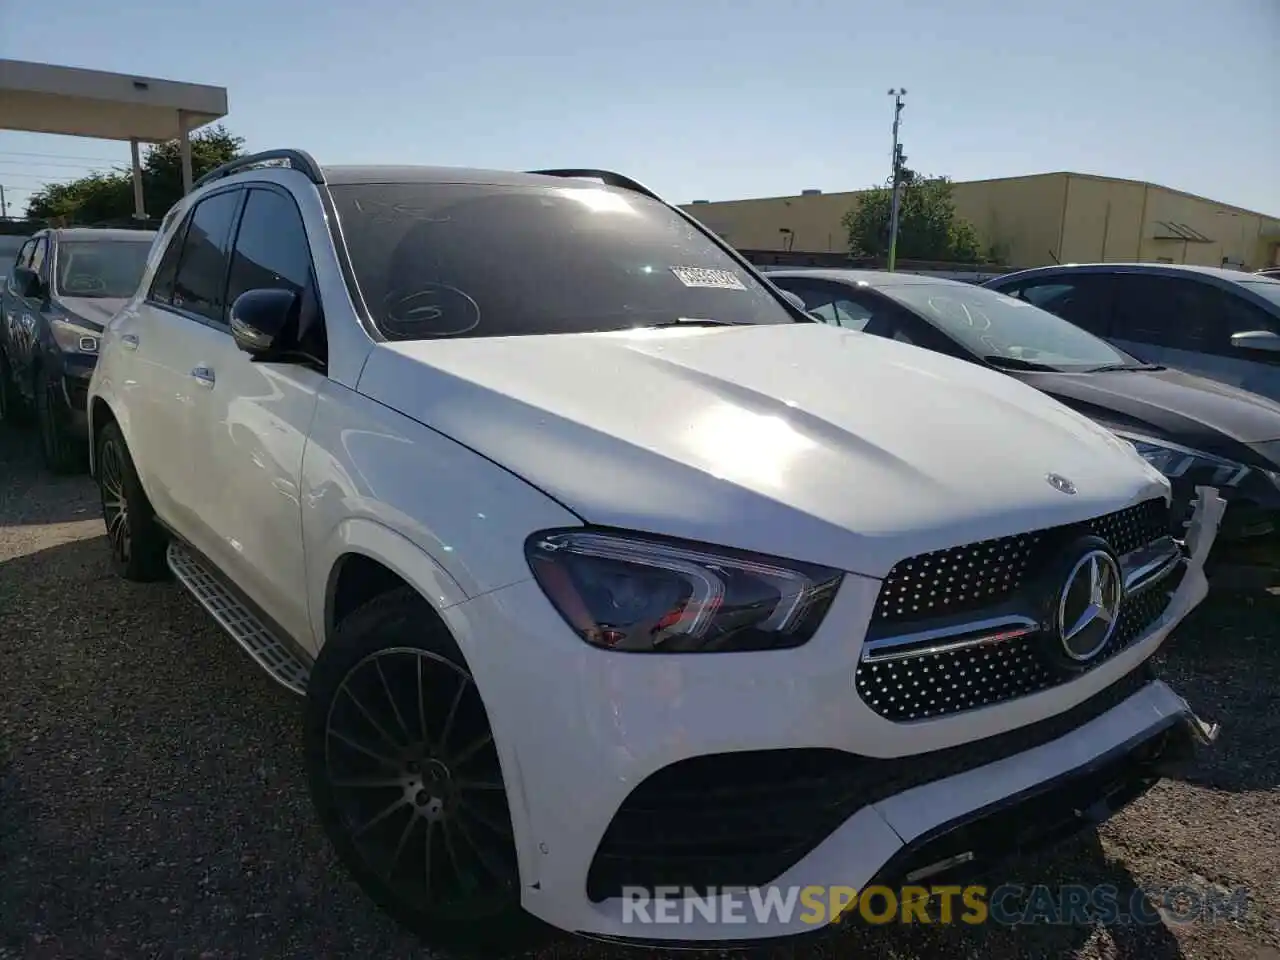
(72, 337)
(1176, 461)
(640, 594)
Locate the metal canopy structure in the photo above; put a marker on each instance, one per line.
(43, 98)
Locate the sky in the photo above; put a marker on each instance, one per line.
(703, 99)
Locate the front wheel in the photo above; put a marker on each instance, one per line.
(405, 777)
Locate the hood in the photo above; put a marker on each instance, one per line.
(1170, 404)
(96, 310)
(800, 441)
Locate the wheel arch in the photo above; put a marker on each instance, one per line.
(369, 559)
(100, 413)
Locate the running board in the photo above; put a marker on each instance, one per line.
(270, 653)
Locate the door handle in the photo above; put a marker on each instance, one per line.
(203, 376)
(130, 341)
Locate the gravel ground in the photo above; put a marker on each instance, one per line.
(152, 801)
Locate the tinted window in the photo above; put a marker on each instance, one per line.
(991, 324)
(200, 283)
(829, 301)
(1267, 289)
(162, 282)
(100, 268)
(461, 259)
(24, 254)
(1081, 300)
(271, 247)
(1165, 311)
(1241, 316)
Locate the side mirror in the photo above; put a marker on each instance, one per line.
(1258, 341)
(27, 282)
(259, 318)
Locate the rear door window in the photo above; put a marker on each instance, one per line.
(1171, 312)
(1082, 300)
(200, 284)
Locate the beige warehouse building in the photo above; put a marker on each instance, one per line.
(1030, 221)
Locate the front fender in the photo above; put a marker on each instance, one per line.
(446, 520)
(361, 536)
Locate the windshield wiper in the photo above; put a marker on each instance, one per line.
(1017, 363)
(1110, 367)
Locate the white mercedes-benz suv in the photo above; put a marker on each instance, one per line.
(602, 568)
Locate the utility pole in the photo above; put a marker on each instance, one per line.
(4, 205)
(896, 197)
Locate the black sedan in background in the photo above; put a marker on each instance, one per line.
(61, 289)
(1195, 431)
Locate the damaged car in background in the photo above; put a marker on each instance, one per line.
(61, 289)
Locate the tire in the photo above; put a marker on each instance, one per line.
(424, 830)
(62, 452)
(137, 541)
(12, 410)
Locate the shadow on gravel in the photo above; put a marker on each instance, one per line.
(31, 495)
(1225, 661)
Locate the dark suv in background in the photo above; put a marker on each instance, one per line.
(1221, 324)
(61, 289)
(1196, 431)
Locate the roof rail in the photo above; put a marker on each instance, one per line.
(295, 159)
(607, 177)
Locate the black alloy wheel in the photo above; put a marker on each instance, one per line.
(406, 779)
(422, 794)
(137, 542)
(115, 505)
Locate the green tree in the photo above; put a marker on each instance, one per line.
(109, 196)
(928, 227)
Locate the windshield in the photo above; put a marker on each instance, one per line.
(482, 260)
(100, 268)
(993, 325)
(1267, 289)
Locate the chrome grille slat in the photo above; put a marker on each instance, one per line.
(980, 575)
(912, 669)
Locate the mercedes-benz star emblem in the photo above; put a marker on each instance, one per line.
(1089, 605)
(1061, 483)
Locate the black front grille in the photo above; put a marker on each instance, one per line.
(988, 578)
(745, 818)
(939, 684)
(978, 575)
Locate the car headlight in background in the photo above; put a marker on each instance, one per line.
(1176, 461)
(73, 337)
(638, 594)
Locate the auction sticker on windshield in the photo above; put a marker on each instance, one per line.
(706, 277)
